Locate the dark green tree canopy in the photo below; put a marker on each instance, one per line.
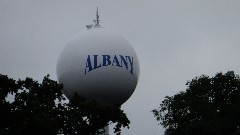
(40, 108)
(209, 106)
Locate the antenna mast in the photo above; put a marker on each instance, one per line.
(97, 20)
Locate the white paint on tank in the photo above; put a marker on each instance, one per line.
(100, 66)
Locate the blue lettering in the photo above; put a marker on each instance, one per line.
(96, 62)
(88, 65)
(123, 60)
(106, 60)
(131, 63)
(115, 60)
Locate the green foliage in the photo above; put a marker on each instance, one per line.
(209, 106)
(39, 108)
(88, 117)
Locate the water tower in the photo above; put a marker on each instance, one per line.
(99, 65)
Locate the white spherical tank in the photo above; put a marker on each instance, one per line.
(98, 65)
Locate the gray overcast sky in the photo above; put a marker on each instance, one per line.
(176, 40)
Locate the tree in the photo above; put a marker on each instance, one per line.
(209, 106)
(40, 108)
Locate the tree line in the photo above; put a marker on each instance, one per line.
(40, 108)
(208, 106)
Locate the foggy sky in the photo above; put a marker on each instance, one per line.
(175, 40)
